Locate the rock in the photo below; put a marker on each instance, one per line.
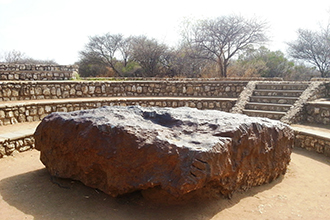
(123, 149)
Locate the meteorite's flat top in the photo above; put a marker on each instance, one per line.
(184, 127)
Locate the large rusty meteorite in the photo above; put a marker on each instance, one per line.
(123, 149)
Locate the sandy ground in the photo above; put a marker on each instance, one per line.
(27, 192)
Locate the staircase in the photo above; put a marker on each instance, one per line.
(272, 99)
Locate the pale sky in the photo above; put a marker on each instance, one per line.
(59, 29)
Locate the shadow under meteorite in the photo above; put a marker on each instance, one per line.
(36, 193)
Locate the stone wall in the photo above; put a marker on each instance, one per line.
(22, 90)
(183, 79)
(201, 94)
(326, 84)
(317, 113)
(312, 142)
(317, 110)
(15, 72)
(322, 91)
(297, 113)
(8, 147)
(37, 110)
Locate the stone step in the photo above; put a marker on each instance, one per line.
(266, 114)
(313, 130)
(285, 86)
(268, 106)
(18, 130)
(313, 137)
(274, 99)
(270, 92)
(17, 138)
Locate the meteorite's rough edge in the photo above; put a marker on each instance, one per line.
(123, 149)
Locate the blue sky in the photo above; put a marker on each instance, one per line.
(49, 29)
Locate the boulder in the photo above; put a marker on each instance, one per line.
(123, 149)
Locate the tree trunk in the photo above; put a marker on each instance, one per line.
(222, 68)
(114, 69)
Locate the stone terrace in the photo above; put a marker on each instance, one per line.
(37, 72)
(24, 103)
(37, 90)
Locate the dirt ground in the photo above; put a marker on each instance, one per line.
(27, 192)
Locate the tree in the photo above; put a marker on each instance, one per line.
(149, 54)
(90, 64)
(18, 57)
(263, 62)
(125, 56)
(303, 72)
(106, 48)
(14, 56)
(219, 39)
(314, 48)
(126, 50)
(179, 62)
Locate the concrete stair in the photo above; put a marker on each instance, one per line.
(268, 106)
(265, 114)
(277, 93)
(273, 100)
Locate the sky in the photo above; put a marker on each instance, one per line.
(59, 29)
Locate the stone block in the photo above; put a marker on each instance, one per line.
(46, 92)
(2, 114)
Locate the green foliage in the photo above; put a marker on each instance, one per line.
(303, 72)
(76, 77)
(265, 63)
(129, 70)
(207, 45)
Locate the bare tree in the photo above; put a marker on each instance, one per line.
(126, 49)
(219, 39)
(14, 56)
(105, 47)
(314, 48)
(149, 54)
(18, 57)
(182, 61)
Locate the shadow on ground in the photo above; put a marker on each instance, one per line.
(36, 194)
(312, 155)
